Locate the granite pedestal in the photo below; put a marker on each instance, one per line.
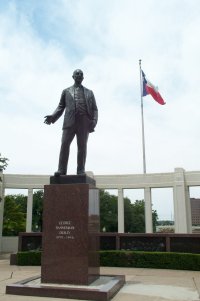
(70, 241)
(70, 245)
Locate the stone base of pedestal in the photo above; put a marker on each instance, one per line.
(70, 245)
(102, 289)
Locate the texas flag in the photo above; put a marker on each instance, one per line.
(149, 88)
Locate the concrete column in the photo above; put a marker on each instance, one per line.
(148, 210)
(120, 211)
(1, 208)
(182, 208)
(29, 211)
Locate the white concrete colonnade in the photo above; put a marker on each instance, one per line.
(179, 181)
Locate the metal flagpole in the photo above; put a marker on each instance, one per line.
(142, 116)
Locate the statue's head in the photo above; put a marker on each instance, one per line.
(78, 76)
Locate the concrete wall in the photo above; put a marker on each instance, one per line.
(9, 244)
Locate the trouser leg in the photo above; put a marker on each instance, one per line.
(82, 138)
(67, 137)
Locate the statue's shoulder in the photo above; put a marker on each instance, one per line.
(69, 89)
(88, 91)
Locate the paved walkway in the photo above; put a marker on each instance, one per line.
(141, 284)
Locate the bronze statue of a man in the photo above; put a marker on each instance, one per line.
(80, 119)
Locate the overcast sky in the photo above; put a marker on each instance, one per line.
(43, 42)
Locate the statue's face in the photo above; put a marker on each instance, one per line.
(78, 76)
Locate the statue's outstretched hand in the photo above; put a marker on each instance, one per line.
(48, 119)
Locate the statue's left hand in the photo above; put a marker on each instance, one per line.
(92, 125)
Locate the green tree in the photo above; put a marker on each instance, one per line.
(128, 215)
(14, 214)
(134, 214)
(136, 224)
(3, 162)
(155, 219)
(38, 197)
(108, 212)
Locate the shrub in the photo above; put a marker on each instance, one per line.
(29, 258)
(154, 260)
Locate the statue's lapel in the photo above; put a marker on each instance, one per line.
(86, 94)
(71, 91)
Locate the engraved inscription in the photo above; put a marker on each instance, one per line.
(65, 230)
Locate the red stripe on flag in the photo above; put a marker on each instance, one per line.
(155, 94)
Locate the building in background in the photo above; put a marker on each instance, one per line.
(195, 211)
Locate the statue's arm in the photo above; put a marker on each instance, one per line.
(58, 111)
(95, 111)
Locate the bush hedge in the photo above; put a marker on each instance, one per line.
(154, 260)
(29, 258)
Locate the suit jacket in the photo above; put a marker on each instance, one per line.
(67, 103)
